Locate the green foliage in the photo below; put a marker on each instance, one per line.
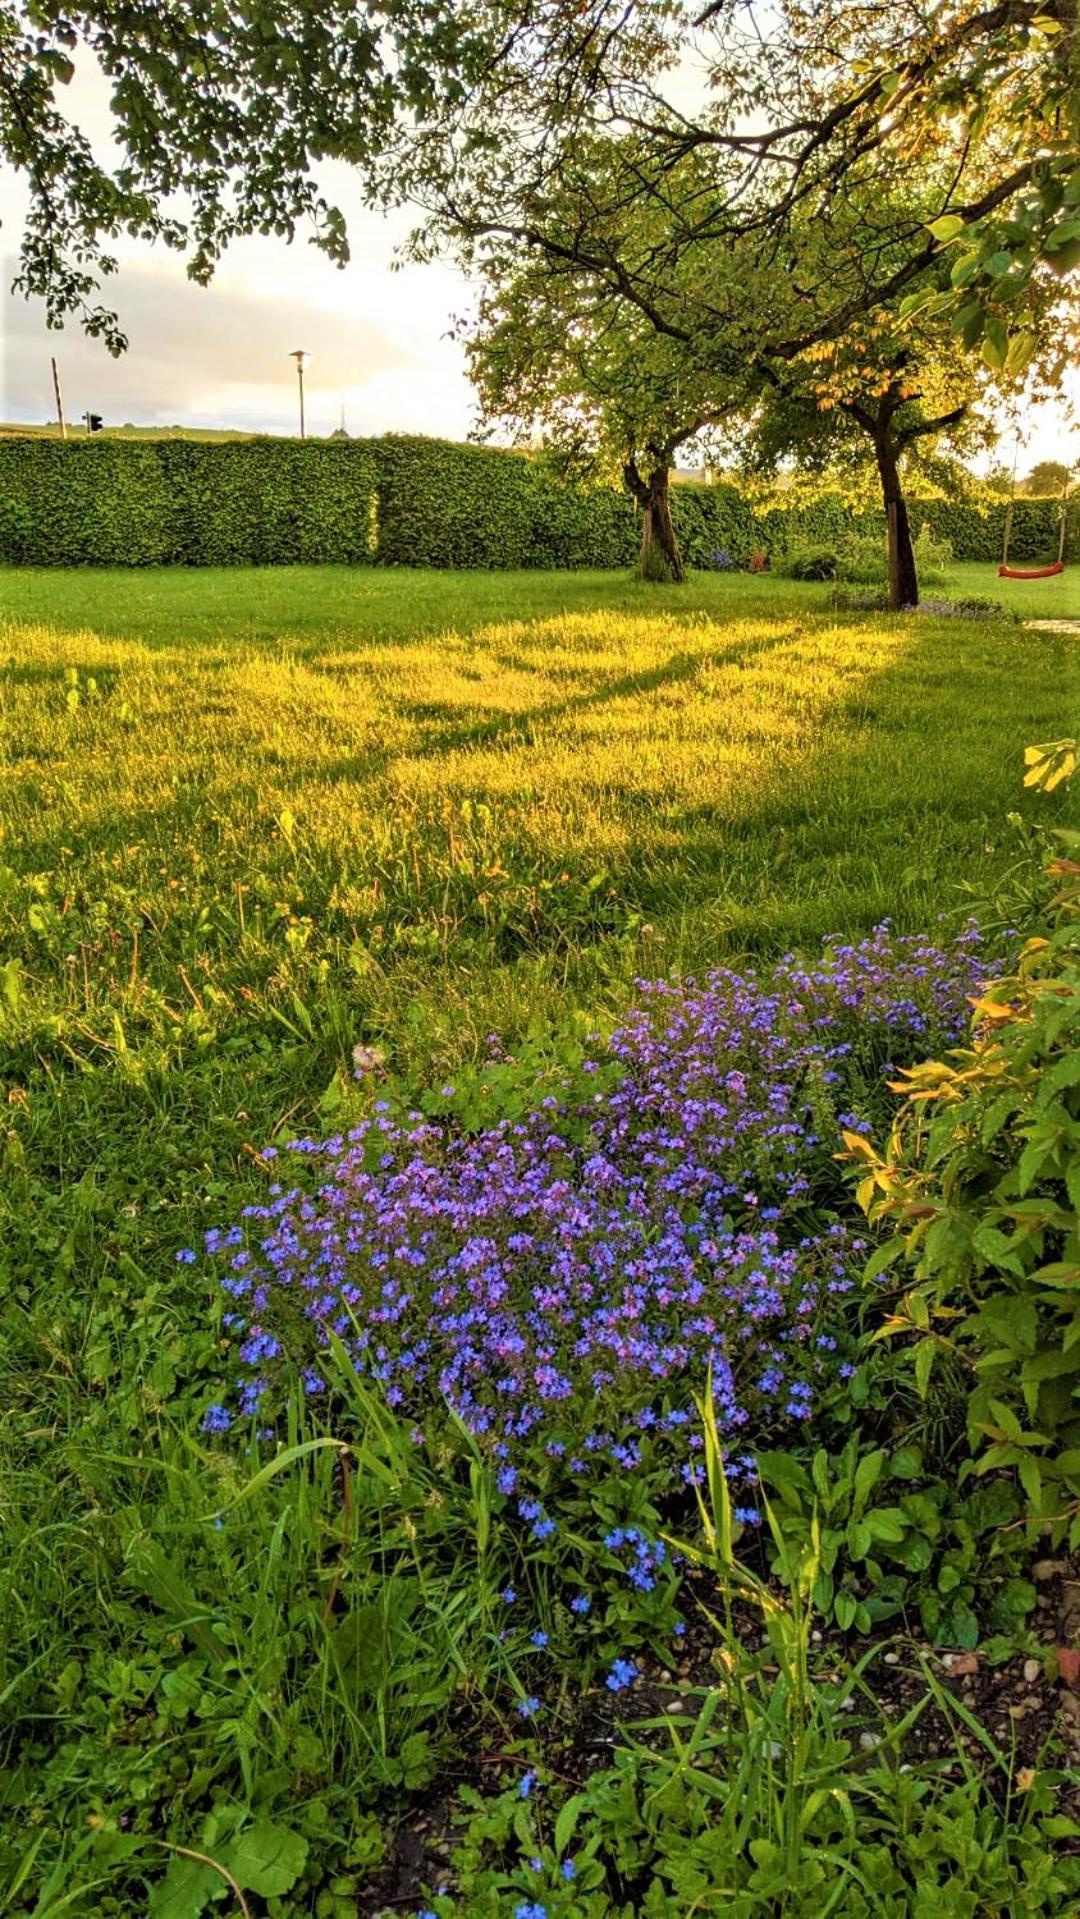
(810, 563)
(177, 502)
(410, 501)
(981, 1184)
(971, 532)
(892, 1542)
(781, 1786)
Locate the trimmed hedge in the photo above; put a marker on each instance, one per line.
(404, 500)
(975, 532)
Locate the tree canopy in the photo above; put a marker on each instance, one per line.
(729, 118)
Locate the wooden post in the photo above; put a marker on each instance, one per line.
(59, 398)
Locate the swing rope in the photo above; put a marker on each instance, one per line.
(1007, 572)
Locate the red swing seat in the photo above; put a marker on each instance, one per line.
(1031, 573)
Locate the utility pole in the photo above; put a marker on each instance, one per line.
(59, 398)
(301, 359)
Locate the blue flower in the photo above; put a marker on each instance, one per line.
(216, 1420)
(526, 1784)
(539, 1640)
(623, 1673)
(528, 1708)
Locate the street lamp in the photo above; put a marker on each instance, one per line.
(301, 359)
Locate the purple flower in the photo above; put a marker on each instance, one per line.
(564, 1280)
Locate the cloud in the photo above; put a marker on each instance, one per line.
(194, 351)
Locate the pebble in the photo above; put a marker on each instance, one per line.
(869, 1741)
(1032, 1670)
(892, 1658)
(1044, 1569)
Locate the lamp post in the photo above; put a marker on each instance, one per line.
(301, 359)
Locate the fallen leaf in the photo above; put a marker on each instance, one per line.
(1068, 1665)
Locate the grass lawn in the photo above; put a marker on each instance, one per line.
(249, 820)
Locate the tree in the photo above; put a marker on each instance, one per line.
(1047, 479)
(812, 110)
(891, 384)
(222, 115)
(579, 366)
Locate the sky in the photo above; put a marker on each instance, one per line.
(377, 332)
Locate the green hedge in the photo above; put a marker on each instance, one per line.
(404, 500)
(975, 532)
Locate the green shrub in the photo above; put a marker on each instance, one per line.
(810, 563)
(981, 1182)
(863, 561)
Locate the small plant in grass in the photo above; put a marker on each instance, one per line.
(895, 1543)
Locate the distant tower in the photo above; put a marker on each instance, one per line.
(339, 432)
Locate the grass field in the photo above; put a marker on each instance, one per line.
(248, 821)
(252, 820)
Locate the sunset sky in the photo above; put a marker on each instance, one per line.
(219, 356)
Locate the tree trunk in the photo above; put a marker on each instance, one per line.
(659, 558)
(903, 576)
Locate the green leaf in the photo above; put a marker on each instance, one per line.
(844, 1606)
(279, 1464)
(267, 1858)
(906, 1462)
(886, 1524)
(884, 1256)
(947, 227)
(186, 1890)
(867, 1474)
(566, 1823)
(995, 344)
(924, 1360)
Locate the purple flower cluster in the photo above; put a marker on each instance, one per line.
(565, 1282)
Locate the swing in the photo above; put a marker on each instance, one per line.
(1007, 572)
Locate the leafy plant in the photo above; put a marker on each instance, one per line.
(981, 1183)
(892, 1543)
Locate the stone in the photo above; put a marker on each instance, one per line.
(1044, 1569)
(1032, 1670)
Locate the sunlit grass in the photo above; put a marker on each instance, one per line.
(252, 819)
(472, 820)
